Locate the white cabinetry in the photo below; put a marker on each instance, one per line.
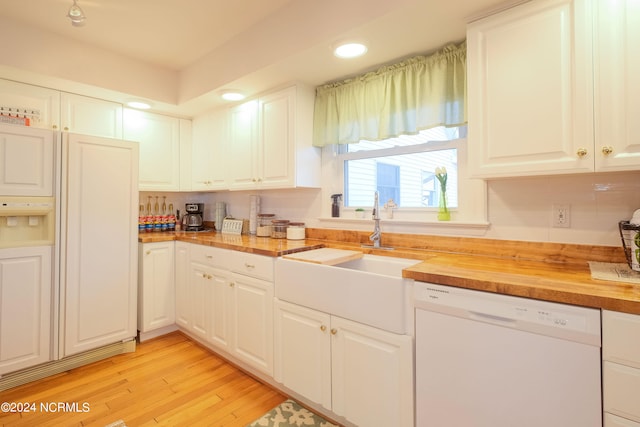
(183, 293)
(156, 288)
(25, 307)
(91, 116)
(161, 149)
(270, 142)
(26, 161)
(209, 159)
(530, 90)
(621, 368)
(99, 257)
(617, 83)
(40, 104)
(362, 373)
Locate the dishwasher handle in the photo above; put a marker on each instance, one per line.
(491, 317)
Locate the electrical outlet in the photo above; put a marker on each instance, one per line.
(562, 216)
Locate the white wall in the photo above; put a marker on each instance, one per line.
(519, 208)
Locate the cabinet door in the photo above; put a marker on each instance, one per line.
(91, 116)
(220, 305)
(209, 161)
(183, 292)
(99, 242)
(613, 421)
(530, 90)
(253, 321)
(303, 351)
(372, 372)
(40, 104)
(242, 148)
(617, 83)
(621, 390)
(200, 289)
(159, 139)
(25, 307)
(277, 125)
(156, 286)
(26, 160)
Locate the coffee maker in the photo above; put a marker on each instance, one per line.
(193, 218)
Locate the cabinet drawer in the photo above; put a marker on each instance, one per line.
(258, 266)
(208, 255)
(613, 421)
(621, 338)
(621, 390)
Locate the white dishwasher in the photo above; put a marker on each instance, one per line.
(490, 360)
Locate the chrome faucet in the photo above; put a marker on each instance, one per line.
(376, 235)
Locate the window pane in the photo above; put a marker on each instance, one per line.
(409, 179)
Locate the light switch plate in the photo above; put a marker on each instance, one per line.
(231, 226)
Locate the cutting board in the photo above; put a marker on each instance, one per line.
(326, 256)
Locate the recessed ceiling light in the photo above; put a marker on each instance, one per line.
(140, 105)
(232, 95)
(350, 50)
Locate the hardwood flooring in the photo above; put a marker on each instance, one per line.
(168, 381)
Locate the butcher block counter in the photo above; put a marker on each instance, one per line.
(546, 271)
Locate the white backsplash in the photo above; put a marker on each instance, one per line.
(518, 208)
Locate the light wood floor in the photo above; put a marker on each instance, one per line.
(168, 381)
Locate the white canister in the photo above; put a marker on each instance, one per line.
(296, 231)
(634, 241)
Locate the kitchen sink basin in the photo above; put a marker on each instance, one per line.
(368, 290)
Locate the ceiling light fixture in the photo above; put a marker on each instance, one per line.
(232, 95)
(350, 50)
(140, 105)
(76, 15)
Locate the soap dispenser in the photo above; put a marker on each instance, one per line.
(335, 207)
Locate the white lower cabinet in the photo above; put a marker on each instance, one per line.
(621, 368)
(156, 287)
(183, 294)
(25, 307)
(357, 371)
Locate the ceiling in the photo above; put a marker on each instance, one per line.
(203, 46)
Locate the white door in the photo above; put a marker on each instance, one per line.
(372, 374)
(99, 242)
(209, 143)
(253, 321)
(242, 146)
(90, 116)
(276, 141)
(159, 138)
(183, 291)
(530, 90)
(220, 306)
(25, 307)
(156, 287)
(617, 83)
(26, 161)
(303, 351)
(200, 284)
(42, 105)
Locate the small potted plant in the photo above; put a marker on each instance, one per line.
(359, 213)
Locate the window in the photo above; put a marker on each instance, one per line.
(402, 169)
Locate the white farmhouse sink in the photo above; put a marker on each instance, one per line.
(369, 290)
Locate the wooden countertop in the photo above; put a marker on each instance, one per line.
(544, 271)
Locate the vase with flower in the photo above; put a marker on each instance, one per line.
(443, 211)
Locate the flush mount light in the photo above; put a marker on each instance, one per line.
(76, 15)
(140, 105)
(350, 50)
(232, 95)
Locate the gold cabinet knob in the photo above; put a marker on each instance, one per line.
(606, 150)
(323, 328)
(66, 128)
(231, 284)
(581, 152)
(334, 331)
(148, 252)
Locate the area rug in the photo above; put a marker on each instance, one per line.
(290, 414)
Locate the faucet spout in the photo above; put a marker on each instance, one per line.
(376, 236)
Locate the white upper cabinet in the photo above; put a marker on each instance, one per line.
(39, 104)
(270, 142)
(90, 116)
(160, 151)
(26, 161)
(530, 90)
(617, 85)
(208, 162)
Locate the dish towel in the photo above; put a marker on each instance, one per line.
(617, 272)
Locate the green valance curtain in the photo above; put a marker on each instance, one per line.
(418, 93)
